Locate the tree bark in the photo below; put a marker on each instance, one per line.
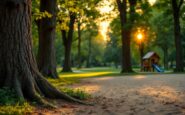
(18, 68)
(177, 34)
(46, 53)
(125, 34)
(67, 38)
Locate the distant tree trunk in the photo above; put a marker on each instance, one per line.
(177, 34)
(165, 52)
(141, 48)
(125, 34)
(18, 68)
(89, 53)
(67, 38)
(79, 45)
(46, 52)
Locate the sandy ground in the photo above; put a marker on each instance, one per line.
(130, 95)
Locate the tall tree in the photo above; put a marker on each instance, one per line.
(84, 20)
(72, 9)
(164, 34)
(67, 38)
(176, 6)
(18, 68)
(46, 52)
(125, 36)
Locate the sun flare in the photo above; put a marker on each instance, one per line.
(152, 2)
(103, 29)
(105, 9)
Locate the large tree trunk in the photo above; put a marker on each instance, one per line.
(177, 34)
(18, 67)
(67, 38)
(46, 52)
(125, 34)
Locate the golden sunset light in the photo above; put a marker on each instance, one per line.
(92, 57)
(104, 28)
(152, 2)
(106, 9)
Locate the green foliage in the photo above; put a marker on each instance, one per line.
(11, 105)
(7, 96)
(77, 93)
(17, 109)
(74, 7)
(59, 49)
(112, 50)
(39, 15)
(61, 82)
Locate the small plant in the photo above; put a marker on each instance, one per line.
(77, 93)
(17, 109)
(7, 96)
(10, 104)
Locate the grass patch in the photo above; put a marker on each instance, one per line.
(11, 105)
(16, 109)
(77, 93)
(63, 81)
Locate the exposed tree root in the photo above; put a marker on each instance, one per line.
(36, 88)
(50, 91)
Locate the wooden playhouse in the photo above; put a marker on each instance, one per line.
(149, 59)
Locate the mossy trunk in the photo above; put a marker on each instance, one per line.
(18, 68)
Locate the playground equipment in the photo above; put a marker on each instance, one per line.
(151, 62)
(157, 68)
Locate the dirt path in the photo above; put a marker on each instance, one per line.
(133, 95)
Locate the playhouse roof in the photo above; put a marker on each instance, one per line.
(149, 55)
